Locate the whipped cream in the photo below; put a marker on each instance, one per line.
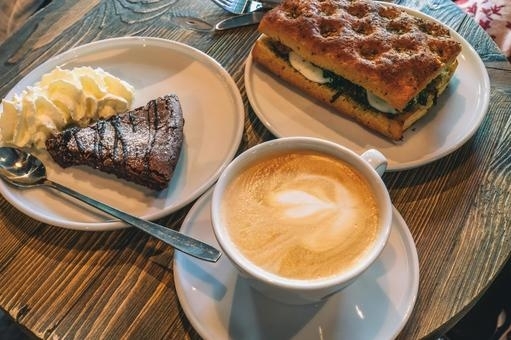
(61, 98)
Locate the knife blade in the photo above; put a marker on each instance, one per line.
(240, 21)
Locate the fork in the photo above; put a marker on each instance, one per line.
(245, 6)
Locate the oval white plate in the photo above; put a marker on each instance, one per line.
(213, 111)
(221, 305)
(460, 110)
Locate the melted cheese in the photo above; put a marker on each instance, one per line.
(379, 104)
(309, 71)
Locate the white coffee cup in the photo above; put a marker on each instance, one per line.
(370, 166)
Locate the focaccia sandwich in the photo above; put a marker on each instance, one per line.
(371, 61)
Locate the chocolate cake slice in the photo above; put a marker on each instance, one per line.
(141, 145)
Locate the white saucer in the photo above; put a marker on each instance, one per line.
(221, 305)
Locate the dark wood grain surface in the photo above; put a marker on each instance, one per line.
(71, 284)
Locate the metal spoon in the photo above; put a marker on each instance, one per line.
(24, 170)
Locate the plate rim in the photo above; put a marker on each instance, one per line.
(395, 166)
(399, 225)
(132, 41)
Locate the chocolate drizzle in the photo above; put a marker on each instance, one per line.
(141, 145)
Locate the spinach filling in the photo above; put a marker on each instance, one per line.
(342, 86)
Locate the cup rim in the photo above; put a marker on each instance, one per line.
(307, 143)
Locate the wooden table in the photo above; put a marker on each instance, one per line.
(71, 284)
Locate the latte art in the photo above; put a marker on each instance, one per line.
(300, 203)
(301, 215)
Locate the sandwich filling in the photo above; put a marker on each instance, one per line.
(342, 86)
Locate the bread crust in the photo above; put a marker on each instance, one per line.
(389, 125)
(377, 46)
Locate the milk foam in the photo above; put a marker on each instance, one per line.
(299, 204)
(302, 215)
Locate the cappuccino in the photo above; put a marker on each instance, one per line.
(301, 215)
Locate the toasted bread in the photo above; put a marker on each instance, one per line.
(378, 46)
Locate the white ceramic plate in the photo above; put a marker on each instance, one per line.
(221, 305)
(213, 111)
(459, 112)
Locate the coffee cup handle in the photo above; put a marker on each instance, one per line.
(376, 159)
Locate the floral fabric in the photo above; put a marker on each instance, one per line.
(494, 16)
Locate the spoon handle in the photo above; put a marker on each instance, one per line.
(177, 240)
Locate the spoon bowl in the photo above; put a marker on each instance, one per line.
(24, 170)
(21, 169)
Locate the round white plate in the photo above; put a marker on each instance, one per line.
(213, 111)
(286, 111)
(221, 305)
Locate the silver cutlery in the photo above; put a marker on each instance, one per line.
(239, 21)
(245, 6)
(23, 170)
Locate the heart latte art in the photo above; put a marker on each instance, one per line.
(301, 215)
